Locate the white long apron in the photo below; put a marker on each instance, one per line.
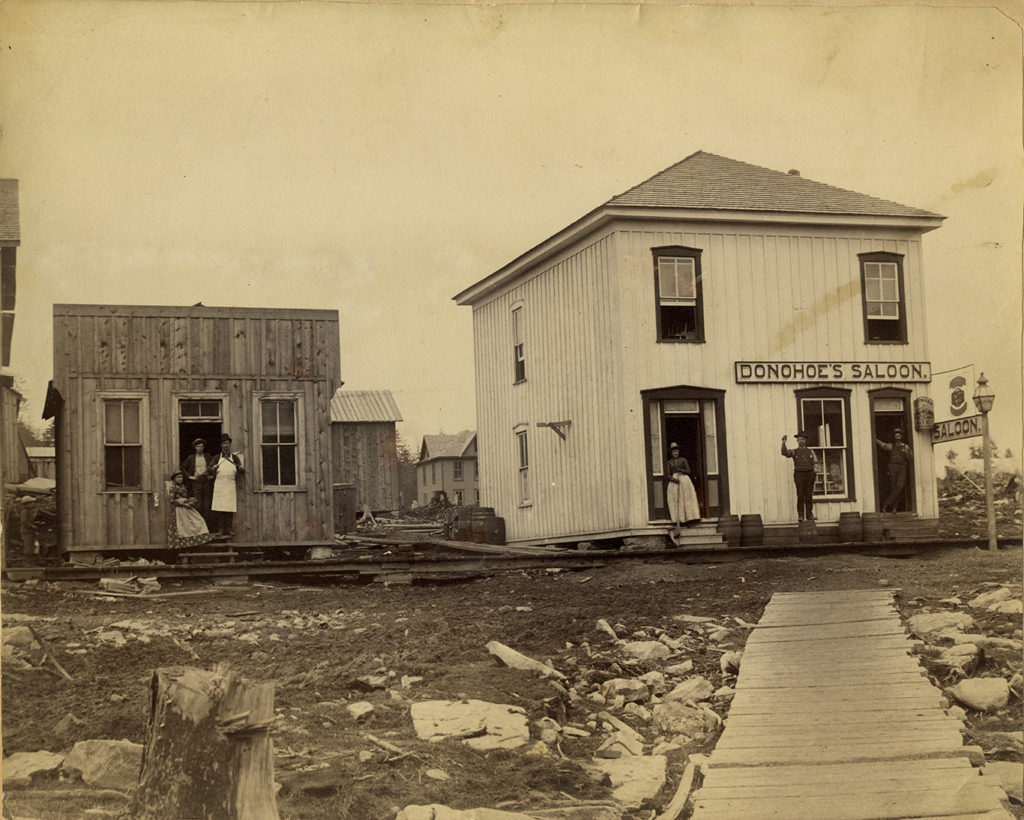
(682, 500)
(224, 496)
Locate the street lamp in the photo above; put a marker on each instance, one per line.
(984, 396)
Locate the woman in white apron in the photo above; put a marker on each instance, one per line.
(683, 507)
(226, 468)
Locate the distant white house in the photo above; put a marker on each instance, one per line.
(718, 305)
(449, 463)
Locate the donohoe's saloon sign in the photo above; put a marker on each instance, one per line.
(787, 372)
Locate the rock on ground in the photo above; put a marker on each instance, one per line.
(932, 622)
(484, 725)
(106, 764)
(19, 768)
(635, 779)
(646, 650)
(983, 694)
(1011, 775)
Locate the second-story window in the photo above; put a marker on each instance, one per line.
(679, 292)
(518, 353)
(457, 469)
(885, 315)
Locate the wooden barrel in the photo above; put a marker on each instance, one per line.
(729, 526)
(460, 529)
(494, 530)
(873, 529)
(474, 519)
(807, 532)
(751, 530)
(851, 529)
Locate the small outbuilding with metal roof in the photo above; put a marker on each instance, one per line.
(365, 451)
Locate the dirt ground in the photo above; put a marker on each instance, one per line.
(328, 646)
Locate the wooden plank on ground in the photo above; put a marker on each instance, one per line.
(972, 798)
(846, 752)
(882, 783)
(824, 735)
(865, 772)
(765, 680)
(855, 725)
(890, 714)
(856, 629)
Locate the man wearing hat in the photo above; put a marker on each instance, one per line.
(900, 459)
(197, 470)
(227, 466)
(804, 470)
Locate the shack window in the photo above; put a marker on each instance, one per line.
(523, 447)
(678, 286)
(825, 418)
(279, 443)
(885, 315)
(122, 444)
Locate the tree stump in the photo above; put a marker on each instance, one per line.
(208, 750)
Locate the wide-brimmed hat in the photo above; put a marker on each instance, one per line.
(198, 441)
(176, 473)
(801, 434)
(224, 437)
(673, 446)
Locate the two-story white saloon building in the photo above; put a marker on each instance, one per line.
(718, 305)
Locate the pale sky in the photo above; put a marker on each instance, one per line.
(378, 159)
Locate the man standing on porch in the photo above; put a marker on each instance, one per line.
(804, 467)
(226, 468)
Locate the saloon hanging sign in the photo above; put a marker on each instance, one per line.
(860, 372)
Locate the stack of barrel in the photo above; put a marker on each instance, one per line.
(479, 525)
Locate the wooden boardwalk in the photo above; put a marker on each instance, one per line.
(834, 719)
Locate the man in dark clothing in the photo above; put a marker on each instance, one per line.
(900, 459)
(804, 464)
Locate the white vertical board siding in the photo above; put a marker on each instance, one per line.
(567, 325)
(770, 295)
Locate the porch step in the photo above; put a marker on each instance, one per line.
(227, 556)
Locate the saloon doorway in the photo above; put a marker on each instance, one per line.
(694, 419)
(890, 411)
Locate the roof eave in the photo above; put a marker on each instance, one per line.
(601, 216)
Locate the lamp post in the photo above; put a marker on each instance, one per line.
(984, 396)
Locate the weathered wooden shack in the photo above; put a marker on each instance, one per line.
(133, 386)
(717, 305)
(366, 449)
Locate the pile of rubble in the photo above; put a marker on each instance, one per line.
(974, 652)
(636, 701)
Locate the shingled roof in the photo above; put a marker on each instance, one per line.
(708, 181)
(10, 228)
(442, 446)
(709, 187)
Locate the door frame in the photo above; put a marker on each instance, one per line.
(906, 422)
(686, 392)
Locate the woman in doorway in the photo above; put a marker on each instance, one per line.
(185, 526)
(226, 467)
(682, 498)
